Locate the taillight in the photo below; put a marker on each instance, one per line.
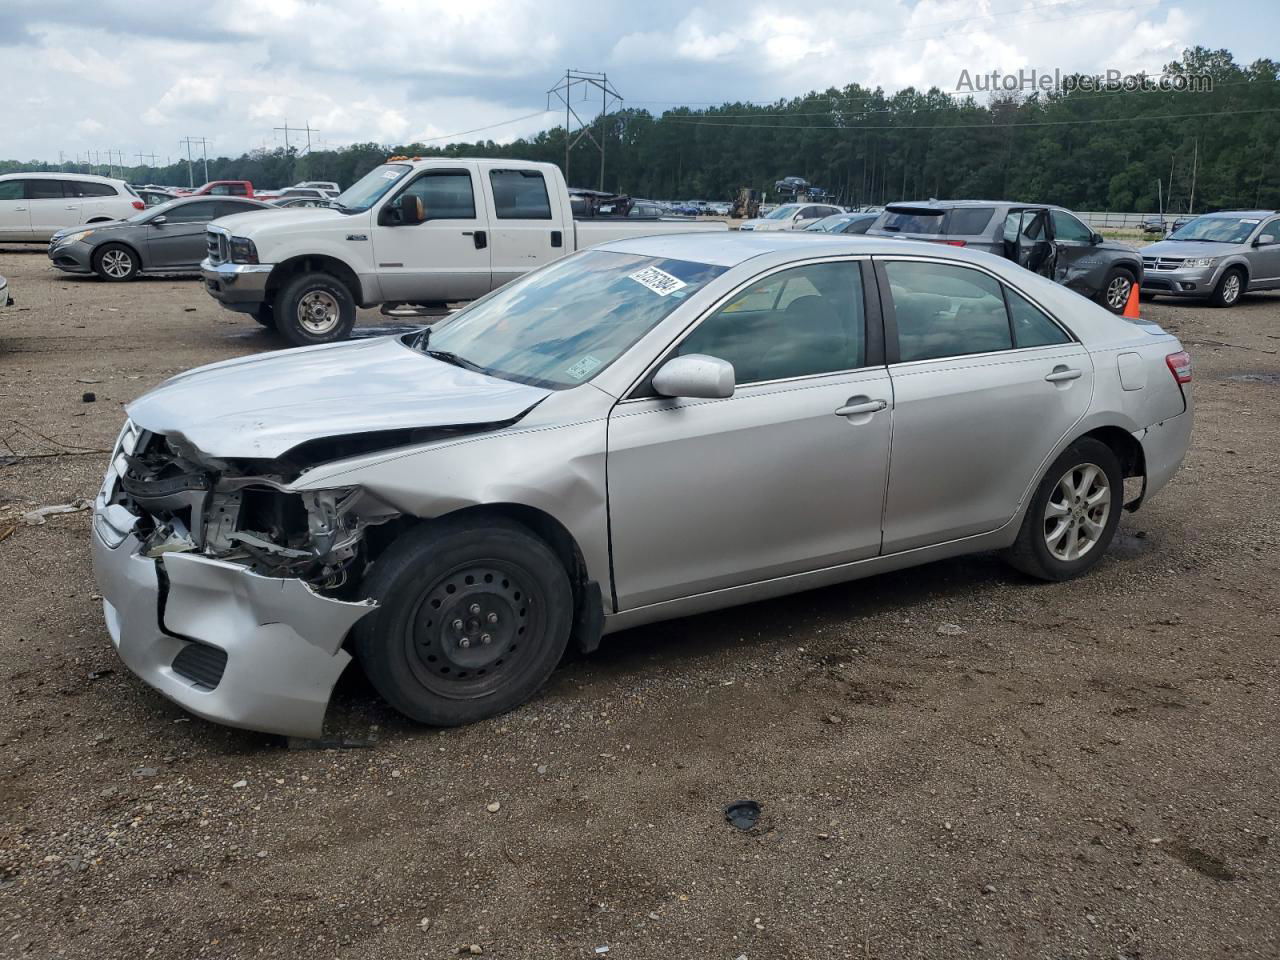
(1180, 366)
(139, 205)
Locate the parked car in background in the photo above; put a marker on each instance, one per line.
(1153, 225)
(169, 238)
(153, 197)
(656, 394)
(1217, 256)
(327, 186)
(1181, 222)
(645, 209)
(790, 216)
(411, 231)
(291, 202)
(1048, 240)
(223, 188)
(843, 223)
(35, 206)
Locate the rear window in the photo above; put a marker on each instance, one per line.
(968, 221)
(913, 222)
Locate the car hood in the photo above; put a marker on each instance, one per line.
(282, 219)
(1183, 249)
(95, 227)
(264, 405)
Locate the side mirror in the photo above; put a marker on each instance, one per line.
(695, 375)
(411, 209)
(1265, 240)
(1096, 239)
(159, 221)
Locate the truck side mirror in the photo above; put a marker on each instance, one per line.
(411, 209)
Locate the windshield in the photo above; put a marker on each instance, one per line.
(1217, 229)
(368, 190)
(562, 325)
(783, 212)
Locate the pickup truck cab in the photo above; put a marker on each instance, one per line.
(225, 188)
(423, 231)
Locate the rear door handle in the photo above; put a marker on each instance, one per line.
(557, 239)
(862, 406)
(1064, 373)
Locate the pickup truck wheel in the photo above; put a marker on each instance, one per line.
(114, 262)
(1227, 292)
(314, 308)
(1072, 516)
(1115, 289)
(471, 620)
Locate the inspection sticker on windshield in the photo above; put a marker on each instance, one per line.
(659, 281)
(1247, 220)
(583, 367)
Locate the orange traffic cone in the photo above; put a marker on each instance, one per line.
(1131, 308)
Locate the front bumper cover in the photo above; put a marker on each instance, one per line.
(282, 641)
(72, 257)
(237, 286)
(1191, 282)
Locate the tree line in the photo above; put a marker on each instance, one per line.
(1088, 150)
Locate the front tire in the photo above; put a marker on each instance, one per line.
(472, 619)
(115, 263)
(1116, 289)
(265, 315)
(1073, 515)
(1230, 287)
(315, 308)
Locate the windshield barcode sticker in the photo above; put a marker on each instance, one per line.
(659, 281)
(584, 367)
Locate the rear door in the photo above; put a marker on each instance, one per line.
(985, 385)
(526, 229)
(446, 257)
(781, 478)
(180, 240)
(1027, 242)
(51, 208)
(15, 212)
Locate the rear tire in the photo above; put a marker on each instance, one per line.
(115, 263)
(1073, 515)
(472, 620)
(314, 308)
(1230, 287)
(1115, 289)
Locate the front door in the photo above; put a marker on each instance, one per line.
(985, 385)
(1076, 259)
(180, 240)
(1264, 261)
(786, 476)
(446, 257)
(526, 232)
(15, 212)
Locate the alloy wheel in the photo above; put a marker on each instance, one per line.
(1118, 293)
(117, 264)
(1231, 287)
(1075, 517)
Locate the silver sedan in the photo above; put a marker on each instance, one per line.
(648, 429)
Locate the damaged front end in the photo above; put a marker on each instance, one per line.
(244, 513)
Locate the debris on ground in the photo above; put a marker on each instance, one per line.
(34, 518)
(951, 630)
(743, 814)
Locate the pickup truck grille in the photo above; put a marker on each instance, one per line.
(1161, 263)
(217, 247)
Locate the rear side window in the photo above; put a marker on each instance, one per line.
(946, 311)
(520, 195)
(44, 189)
(796, 323)
(85, 188)
(969, 221)
(446, 194)
(198, 211)
(1031, 325)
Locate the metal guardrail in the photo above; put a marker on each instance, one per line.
(1116, 220)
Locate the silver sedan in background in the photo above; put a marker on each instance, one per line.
(648, 429)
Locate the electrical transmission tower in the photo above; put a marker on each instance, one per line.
(307, 129)
(585, 81)
(204, 148)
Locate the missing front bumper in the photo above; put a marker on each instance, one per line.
(282, 641)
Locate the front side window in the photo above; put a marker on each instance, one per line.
(44, 189)
(1031, 325)
(520, 195)
(445, 194)
(1067, 227)
(10, 189)
(946, 311)
(560, 326)
(796, 323)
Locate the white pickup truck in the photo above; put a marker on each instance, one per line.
(421, 231)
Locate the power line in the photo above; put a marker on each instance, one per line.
(463, 133)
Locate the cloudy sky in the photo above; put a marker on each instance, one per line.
(137, 75)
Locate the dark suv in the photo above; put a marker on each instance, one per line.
(1045, 239)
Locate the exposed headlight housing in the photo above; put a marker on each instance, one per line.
(243, 250)
(1200, 262)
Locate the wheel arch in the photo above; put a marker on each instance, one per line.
(1128, 450)
(286, 270)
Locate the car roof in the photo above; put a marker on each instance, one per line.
(1233, 213)
(731, 247)
(54, 175)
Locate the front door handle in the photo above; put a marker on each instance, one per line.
(1064, 373)
(71, 206)
(853, 409)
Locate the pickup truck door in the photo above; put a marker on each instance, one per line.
(443, 258)
(527, 232)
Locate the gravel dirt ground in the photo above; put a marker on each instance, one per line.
(952, 761)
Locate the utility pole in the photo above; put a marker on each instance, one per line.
(308, 129)
(1195, 157)
(564, 90)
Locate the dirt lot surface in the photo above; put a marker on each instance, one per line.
(952, 761)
